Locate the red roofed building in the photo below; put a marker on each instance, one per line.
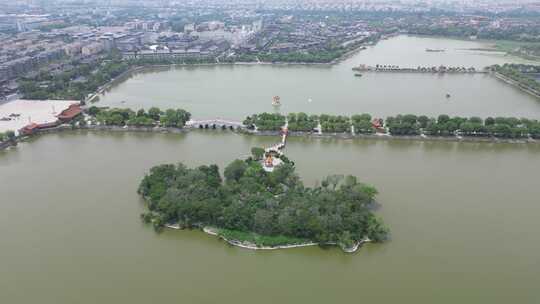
(65, 116)
(29, 129)
(33, 127)
(71, 112)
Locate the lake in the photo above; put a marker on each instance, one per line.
(463, 218)
(233, 92)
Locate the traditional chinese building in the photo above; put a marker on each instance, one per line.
(70, 113)
(65, 116)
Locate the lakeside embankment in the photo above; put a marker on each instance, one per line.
(62, 128)
(516, 84)
(111, 82)
(342, 136)
(400, 127)
(348, 136)
(140, 68)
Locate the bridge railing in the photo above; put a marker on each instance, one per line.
(216, 122)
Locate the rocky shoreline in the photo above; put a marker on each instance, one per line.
(252, 246)
(248, 245)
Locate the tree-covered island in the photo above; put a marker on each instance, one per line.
(251, 206)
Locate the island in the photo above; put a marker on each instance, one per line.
(259, 209)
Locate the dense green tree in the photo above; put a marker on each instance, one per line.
(265, 121)
(442, 119)
(476, 120)
(362, 123)
(235, 170)
(335, 124)
(403, 125)
(257, 152)
(302, 122)
(120, 117)
(423, 121)
(173, 118)
(77, 83)
(264, 208)
(93, 110)
(154, 113)
(10, 135)
(141, 113)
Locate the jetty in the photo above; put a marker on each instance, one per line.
(273, 153)
(277, 148)
(281, 145)
(442, 69)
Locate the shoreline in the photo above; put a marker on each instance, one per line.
(7, 144)
(252, 246)
(348, 54)
(516, 84)
(348, 136)
(415, 71)
(139, 68)
(338, 136)
(247, 245)
(110, 83)
(493, 46)
(335, 61)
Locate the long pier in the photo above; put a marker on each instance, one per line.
(421, 69)
(277, 148)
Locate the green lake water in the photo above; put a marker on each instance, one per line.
(463, 216)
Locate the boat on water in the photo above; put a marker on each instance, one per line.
(358, 75)
(448, 95)
(435, 50)
(276, 101)
(361, 67)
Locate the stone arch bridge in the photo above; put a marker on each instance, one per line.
(215, 124)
